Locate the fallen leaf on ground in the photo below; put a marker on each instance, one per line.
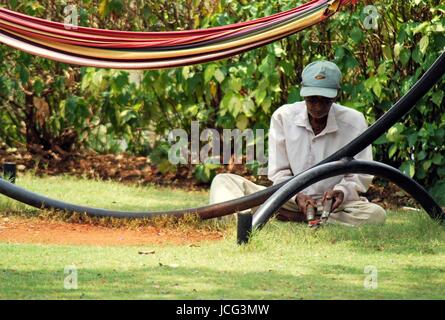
(146, 252)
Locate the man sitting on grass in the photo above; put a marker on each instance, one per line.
(303, 134)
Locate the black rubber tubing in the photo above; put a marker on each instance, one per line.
(397, 111)
(344, 166)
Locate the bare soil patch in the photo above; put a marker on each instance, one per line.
(31, 230)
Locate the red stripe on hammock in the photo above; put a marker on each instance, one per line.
(81, 32)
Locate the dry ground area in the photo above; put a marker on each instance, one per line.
(31, 230)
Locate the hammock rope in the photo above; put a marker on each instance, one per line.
(155, 50)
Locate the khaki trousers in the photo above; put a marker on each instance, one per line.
(228, 186)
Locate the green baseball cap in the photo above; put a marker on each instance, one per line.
(321, 78)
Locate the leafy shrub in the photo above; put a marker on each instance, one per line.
(379, 66)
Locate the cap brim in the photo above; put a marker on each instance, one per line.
(317, 91)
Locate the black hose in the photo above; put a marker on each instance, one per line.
(399, 110)
(344, 166)
(41, 202)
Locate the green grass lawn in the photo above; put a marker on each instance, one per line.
(283, 261)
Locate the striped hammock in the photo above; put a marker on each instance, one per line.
(155, 50)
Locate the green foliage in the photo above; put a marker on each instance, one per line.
(159, 157)
(438, 191)
(379, 66)
(205, 172)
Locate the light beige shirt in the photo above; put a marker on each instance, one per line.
(293, 147)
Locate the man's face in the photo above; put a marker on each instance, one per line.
(317, 106)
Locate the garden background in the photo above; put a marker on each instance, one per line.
(54, 111)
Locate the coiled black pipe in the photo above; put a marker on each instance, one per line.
(344, 166)
(399, 110)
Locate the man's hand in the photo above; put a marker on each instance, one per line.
(303, 201)
(337, 196)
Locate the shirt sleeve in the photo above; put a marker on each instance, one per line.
(279, 168)
(352, 184)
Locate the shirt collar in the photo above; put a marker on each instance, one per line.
(302, 119)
